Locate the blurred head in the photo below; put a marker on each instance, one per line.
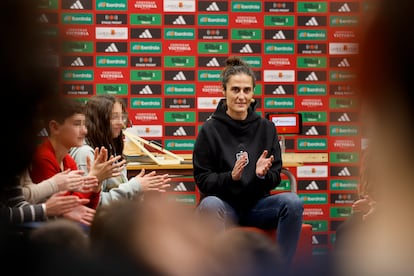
(385, 78)
(105, 118)
(105, 232)
(384, 245)
(29, 83)
(158, 236)
(248, 252)
(385, 85)
(119, 119)
(61, 234)
(65, 120)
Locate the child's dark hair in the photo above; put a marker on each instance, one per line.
(235, 66)
(62, 109)
(98, 119)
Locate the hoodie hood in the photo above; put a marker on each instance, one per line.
(238, 125)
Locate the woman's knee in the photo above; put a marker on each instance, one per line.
(293, 202)
(211, 203)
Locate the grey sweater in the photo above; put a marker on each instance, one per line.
(113, 188)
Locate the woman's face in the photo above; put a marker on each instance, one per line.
(117, 123)
(239, 94)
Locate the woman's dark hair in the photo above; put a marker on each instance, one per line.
(98, 120)
(235, 66)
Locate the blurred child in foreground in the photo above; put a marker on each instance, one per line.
(384, 245)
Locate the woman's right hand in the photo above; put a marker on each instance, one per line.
(153, 182)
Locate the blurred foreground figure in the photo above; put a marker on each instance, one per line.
(29, 85)
(385, 244)
(160, 237)
(28, 80)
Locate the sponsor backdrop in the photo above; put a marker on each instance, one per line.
(164, 59)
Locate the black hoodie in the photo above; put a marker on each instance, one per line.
(219, 141)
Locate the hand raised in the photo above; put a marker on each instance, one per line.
(264, 163)
(69, 180)
(361, 205)
(60, 203)
(103, 168)
(238, 168)
(81, 214)
(90, 184)
(153, 182)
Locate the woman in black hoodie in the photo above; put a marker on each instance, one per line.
(237, 162)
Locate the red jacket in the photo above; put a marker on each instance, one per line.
(44, 165)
